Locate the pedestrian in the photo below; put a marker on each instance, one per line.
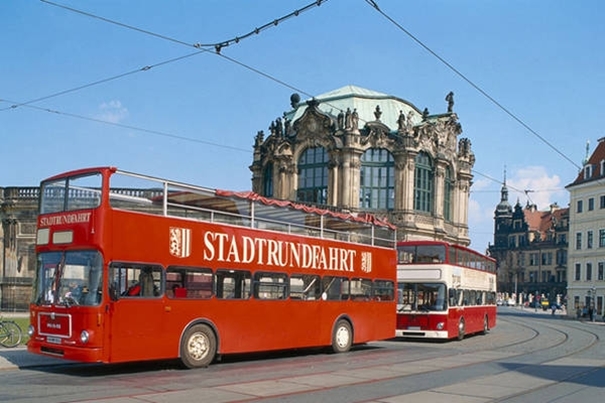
(553, 308)
(591, 314)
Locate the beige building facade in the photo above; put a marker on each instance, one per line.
(586, 282)
(366, 152)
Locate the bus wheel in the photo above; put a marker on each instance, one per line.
(485, 326)
(198, 347)
(461, 329)
(342, 338)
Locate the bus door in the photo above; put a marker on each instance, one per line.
(136, 313)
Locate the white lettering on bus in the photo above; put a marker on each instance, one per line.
(74, 218)
(269, 252)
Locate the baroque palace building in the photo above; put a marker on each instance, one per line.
(530, 247)
(363, 151)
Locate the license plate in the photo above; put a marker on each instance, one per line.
(413, 327)
(54, 340)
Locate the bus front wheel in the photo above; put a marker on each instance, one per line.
(198, 346)
(342, 337)
(461, 329)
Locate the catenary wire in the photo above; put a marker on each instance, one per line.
(203, 48)
(102, 81)
(130, 127)
(217, 46)
(374, 5)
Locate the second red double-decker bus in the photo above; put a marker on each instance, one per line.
(132, 267)
(445, 291)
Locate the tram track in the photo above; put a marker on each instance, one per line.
(561, 344)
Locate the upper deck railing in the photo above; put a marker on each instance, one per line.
(142, 193)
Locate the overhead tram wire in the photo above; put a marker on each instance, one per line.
(374, 5)
(102, 81)
(216, 45)
(214, 48)
(210, 47)
(139, 129)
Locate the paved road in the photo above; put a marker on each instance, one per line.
(528, 357)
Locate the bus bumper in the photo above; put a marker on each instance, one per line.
(72, 353)
(421, 334)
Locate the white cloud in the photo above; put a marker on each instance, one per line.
(112, 111)
(533, 184)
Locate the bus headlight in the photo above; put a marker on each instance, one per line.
(440, 326)
(84, 336)
(31, 330)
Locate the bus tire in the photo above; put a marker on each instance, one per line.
(342, 336)
(461, 329)
(198, 346)
(485, 326)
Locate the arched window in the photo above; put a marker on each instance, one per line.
(377, 177)
(268, 181)
(313, 176)
(447, 194)
(423, 183)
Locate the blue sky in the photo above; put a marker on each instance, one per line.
(194, 119)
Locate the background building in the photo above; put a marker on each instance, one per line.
(18, 212)
(587, 232)
(366, 152)
(531, 249)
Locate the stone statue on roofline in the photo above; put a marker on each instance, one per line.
(450, 101)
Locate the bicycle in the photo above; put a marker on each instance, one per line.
(10, 333)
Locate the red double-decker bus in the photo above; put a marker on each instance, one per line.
(132, 267)
(445, 291)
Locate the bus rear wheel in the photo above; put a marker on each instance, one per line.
(342, 337)
(485, 326)
(461, 329)
(198, 347)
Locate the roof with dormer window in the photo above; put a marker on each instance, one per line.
(594, 167)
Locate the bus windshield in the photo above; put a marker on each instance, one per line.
(421, 297)
(68, 194)
(69, 278)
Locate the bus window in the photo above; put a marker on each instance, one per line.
(383, 290)
(361, 289)
(335, 288)
(454, 297)
(189, 282)
(232, 284)
(305, 287)
(270, 285)
(135, 280)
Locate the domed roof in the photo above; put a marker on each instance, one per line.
(365, 101)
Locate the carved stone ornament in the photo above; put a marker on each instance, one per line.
(313, 123)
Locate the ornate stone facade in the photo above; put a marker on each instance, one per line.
(18, 212)
(350, 121)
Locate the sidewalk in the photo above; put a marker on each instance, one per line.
(19, 357)
(13, 358)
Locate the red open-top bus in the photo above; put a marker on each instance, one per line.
(132, 267)
(445, 290)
